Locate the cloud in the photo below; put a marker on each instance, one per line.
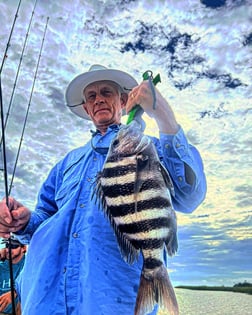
(203, 56)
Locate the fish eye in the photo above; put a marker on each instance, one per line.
(116, 142)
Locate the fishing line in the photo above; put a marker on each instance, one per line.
(19, 66)
(28, 107)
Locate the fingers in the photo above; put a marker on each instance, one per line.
(140, 95)
(5, 214)
(133, 99)
(12, 218)
(5, 300)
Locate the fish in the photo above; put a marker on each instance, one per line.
(134, 190)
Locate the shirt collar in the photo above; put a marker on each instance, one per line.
(111, 127)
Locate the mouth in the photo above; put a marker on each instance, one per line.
(100, 110)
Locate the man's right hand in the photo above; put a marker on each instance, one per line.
(13, 217)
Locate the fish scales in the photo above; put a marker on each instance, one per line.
(138, 216)
(158, 204)
(144, 225)
(126, 188)
(141, 197)
(134, 191)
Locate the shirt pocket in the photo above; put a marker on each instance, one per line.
(67, 193)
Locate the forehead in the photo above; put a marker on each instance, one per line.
(100, 85)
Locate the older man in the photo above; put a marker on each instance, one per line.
(74, 265)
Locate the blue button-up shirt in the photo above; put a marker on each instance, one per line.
(73, 265)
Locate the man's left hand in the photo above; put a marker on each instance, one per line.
(5, 300)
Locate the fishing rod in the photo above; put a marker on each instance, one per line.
(4, 147)
(28, 107)
(7, 197)
(1, 99)
(19, 66)
(9, 39)
(4, 157)
(3, 125)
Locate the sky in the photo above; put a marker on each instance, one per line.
(203, 53)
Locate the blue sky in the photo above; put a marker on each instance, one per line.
(203, 55)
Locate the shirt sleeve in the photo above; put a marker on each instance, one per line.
(46, 206)
(185, 166)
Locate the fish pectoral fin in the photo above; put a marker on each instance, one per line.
(167, 179)
(142, 161)
(171, 242)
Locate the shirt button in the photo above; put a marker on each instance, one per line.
(167, 146)
(75, 235)
(89, 179)
(82, 205)
(180, 178)
(177, 145)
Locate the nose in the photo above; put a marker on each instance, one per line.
(99, 99)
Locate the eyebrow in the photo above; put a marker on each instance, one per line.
(107, 87)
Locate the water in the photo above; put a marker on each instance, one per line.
(195, 302)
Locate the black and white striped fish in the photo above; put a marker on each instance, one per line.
(134, 191)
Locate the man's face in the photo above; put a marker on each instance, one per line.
(104, 103)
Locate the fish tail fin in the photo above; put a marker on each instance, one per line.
(153, 289)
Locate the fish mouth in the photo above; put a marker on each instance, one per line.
(131, 140)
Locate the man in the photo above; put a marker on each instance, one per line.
(18, 251)
(74, 265)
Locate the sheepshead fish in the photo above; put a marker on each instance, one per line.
(133, 189)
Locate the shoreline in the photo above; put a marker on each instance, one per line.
(237, 289)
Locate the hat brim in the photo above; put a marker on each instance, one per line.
(74, 92)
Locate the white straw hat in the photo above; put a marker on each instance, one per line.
(74, 91)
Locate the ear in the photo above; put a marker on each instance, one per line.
(124, 98)
(24, 249)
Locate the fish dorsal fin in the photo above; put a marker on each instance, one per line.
(128, 251)
(167, 179)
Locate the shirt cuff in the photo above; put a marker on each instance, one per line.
(174, 145)
(24, 235)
